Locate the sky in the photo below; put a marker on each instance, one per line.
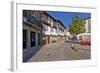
(66, 17)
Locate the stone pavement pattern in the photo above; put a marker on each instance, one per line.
(59, 52)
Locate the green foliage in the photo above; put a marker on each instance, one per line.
(77, 26)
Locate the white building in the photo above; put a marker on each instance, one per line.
(87, 34)
(53, 29)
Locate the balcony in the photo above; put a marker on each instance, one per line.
(32, 21)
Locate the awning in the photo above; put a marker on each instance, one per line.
(83, 34)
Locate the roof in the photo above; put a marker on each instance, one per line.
(62, 24)
(55, 19)
(50, 16)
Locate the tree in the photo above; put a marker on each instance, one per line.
(77, 26)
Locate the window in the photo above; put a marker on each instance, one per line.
(51, 23)
(52, 30)
(38, 16)
(45, 27)
(56, 31)
(49, 20)
(43, 17)
(33, 13)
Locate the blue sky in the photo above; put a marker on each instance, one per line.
(66, 17)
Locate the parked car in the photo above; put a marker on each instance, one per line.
(84, 38)
(85, 42)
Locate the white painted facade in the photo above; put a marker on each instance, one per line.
(88, 25)
(54, 32)
(60, 32)
(48, 30)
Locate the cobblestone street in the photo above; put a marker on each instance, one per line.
(58, 52)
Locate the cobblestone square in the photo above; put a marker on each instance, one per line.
(60, 52)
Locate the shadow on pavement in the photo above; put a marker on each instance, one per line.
(28, 53)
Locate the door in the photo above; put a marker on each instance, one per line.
(24, 38)
(32, 38)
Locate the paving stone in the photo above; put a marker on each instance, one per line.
(61, 51)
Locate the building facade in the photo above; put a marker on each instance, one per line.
(49, 28)
(87, 34)
(67, 34)
(61, 32)
(32, 29)
(40, 28)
